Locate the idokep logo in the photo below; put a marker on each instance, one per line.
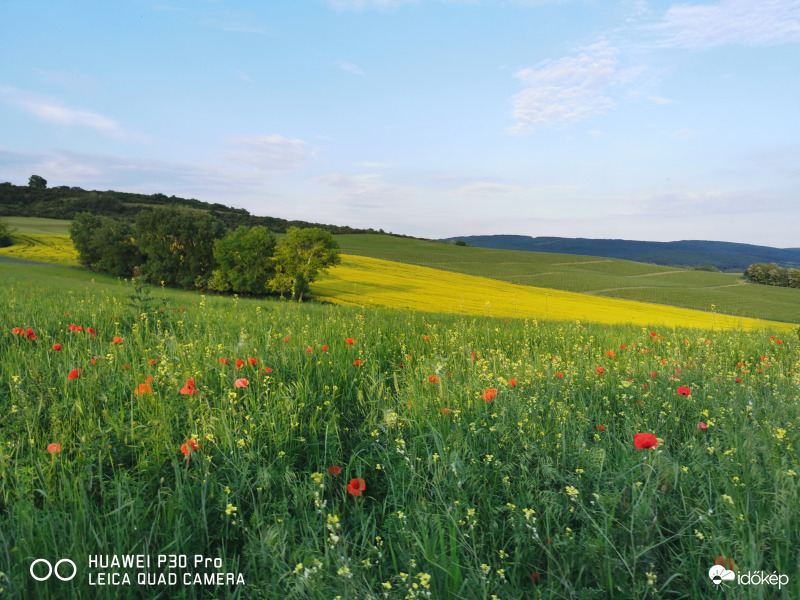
(719, 573)
(52, 569)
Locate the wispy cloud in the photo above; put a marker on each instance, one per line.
(660, 100)
(270, 152)
(486, 188)
(568, 90)
(71, 80)
(746, 22)
(362, 190)
(52, 111)
(349, 67)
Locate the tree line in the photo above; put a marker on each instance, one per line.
(772, 274)
(195, 250)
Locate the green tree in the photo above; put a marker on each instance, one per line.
(177, 245)
(5, 235)
(82, 230)
(105, 244)
(36, 181)
(300, 257)
(244, 259)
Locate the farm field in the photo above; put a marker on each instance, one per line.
(374, 453)
(728, 293)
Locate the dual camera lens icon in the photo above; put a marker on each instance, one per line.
(53, 569)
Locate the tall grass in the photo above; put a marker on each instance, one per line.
(468, 494)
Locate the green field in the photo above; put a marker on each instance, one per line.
(38, 226)
(497, 455)
(726, 293)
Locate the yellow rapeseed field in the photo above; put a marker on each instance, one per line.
(56, 249)
(362, 281)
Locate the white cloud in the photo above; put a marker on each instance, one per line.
(349, 67)
(270, 152)
(568, 90)
(747, 22)
(52, 111)
(486, 188)
(362, 190)
(660, 100)
(362, 4)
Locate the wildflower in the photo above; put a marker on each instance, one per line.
(560, 375)
(224, 361)
(610, 354)
(32, 335)
(188, 447)
(652, 374)
(489, 394)
(54, 448)
(572, 491)
(350, 341)
(75, 373)
(230, 509)
(358, 362)
(335, 470)
(721, 560)
(144, 388)
(286, 339)
(512, 382)
(738, 380)
(446, 411)
(153, 361)
(702, 426)
(117, 339)
(253, 361)
(241, 383)
(239, 363)
(356, 486)
(645, 440)
(18, 331)
(309, 350)
(189, 389)
(600, 427)
(325, 348)
(433, 379)
(600, 370)
(425, 338)
(126, 367)
(56, 346)
(535, 577)
(267, 370)
(684, 391)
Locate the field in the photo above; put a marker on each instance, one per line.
(372, 453)
(728, 293)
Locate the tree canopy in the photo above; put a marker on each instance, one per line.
(244, 261)
(300, 257)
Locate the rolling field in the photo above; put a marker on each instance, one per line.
(56, 249)
(728, 293)
(326, 451)
(38, 226)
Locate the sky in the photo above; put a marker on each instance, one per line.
(629, 119)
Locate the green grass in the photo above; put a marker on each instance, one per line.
(38, 226)
(727, 293)
(465, 503)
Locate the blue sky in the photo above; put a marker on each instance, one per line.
(614, 118)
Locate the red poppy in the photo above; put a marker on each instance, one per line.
(188, 447)
(446, 411)
(702, 426)
(54, 448)
(535, 577)
(489, 394)
(267, 370)
(144, 388)
(600, 370)
(425, 338)
(286, 339)
(253, 361)
(652, 374)
(126, 367)
(358, 362)
(684, 391)
(645, 440)
(224, 361)
(153, 361)
(356, 486)
(91, 331)
(56, 346)
(241, 383)
(239, 363)
(29, 334)
(189, 389)
(473, 356)
(309, 350)
(350, 341)
(75, 373)
(334, 470)
(721, 560)
(653, 334)
(512, 382)
(117, 339)
(600, 427)
(610, 353)
(18, 331)
(73, 327)
(32, 335)
(325, 348)
(433, 379)
(623, 346)
(560, 375)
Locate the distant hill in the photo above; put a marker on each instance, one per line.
(65, 202)
(725, 256)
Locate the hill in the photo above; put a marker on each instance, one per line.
(725, 256)
(65, 202)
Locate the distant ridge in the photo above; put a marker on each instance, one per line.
(725, 256)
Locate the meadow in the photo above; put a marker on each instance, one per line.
(345, 452)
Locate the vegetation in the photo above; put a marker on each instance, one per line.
(5, 234)
(772, 274)
(362, 452)
(300, 257)
(245, 263)
(361, 281)
(54, 249)
(726, 256)
(727, 293)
